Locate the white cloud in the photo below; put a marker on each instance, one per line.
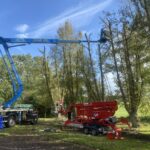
(79, 16)
(22, 35)
(22, 28)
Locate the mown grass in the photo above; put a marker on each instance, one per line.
(121, 112)
(97, 143)
(102, 143)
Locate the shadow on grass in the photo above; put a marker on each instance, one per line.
(145, 119)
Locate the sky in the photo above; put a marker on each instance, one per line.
(42, 18)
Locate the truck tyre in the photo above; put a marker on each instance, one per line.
(94, 132)
(86, 130)
(11, 122)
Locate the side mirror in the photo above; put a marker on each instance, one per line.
(104, 37)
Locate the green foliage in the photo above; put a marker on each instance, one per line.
(5, 84)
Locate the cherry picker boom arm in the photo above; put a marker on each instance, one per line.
(4, 42)
(18, 91)
(46, 41)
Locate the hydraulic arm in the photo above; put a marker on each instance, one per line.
(13, 73)
(46, 41)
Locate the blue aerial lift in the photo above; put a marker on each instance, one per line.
(13, 115)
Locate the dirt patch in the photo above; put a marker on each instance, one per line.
(36, 143)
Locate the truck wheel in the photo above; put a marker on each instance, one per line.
(86, 130)
(11, 122)
(94, 132)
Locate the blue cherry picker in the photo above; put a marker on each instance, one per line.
(11, 115)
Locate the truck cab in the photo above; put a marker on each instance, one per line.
(19, 114)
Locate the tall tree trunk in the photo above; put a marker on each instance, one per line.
(47, 77)
(116, 67)
(92, 70)
(90, 91)
(102, 74)
(131, 82)
(77, 76)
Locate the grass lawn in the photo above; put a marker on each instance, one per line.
(76, 137)
(121, 112)
(95, 142)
